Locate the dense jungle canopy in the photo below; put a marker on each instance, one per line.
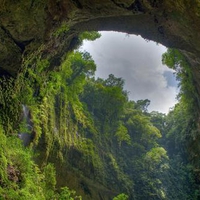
(65, 134)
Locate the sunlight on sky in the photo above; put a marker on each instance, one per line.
(139, 63)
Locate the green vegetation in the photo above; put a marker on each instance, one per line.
(20, 177)
(121, 197)
(87, 135)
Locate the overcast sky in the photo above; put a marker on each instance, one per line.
(139, 63)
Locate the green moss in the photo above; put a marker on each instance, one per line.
(63, 29)
(121, 197)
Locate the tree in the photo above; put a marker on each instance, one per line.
(105, 99)
(122, 134)
(142, 105)
(82, 65)
(91, 35)
(113, 81)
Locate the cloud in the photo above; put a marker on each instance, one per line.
(139, 63)
(171, 79)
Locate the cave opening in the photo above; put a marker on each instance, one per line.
(139, 63)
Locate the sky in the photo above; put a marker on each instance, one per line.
(139, 63)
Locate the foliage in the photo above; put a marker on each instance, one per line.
(121, 197)
(92, 35)
(20, 177)
(122, 135)
(18, 173)
(67, 194)
(132, 130)
(142, 105)
(185, 114)
(174, 59)
(62, 29)
(9, 115)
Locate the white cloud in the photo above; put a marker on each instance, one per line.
(136, 61)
